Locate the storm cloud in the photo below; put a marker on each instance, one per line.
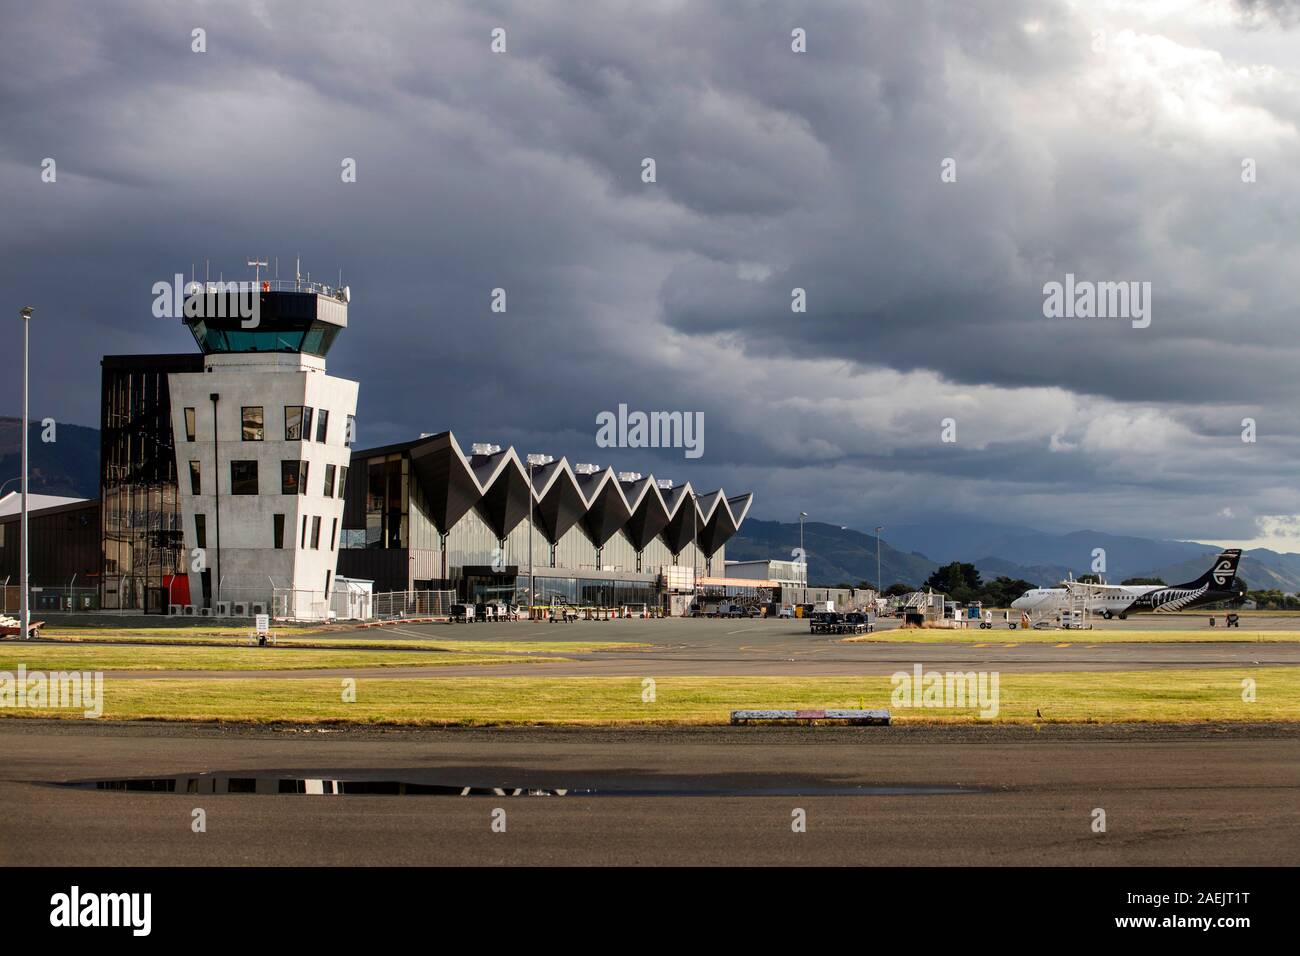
(1109, 141)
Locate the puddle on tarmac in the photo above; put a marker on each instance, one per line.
(353, 784)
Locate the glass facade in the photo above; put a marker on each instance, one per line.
(581, 592)
(141, 535)
(283, 335)
(386, 502)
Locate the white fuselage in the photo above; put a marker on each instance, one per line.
(1054, 600)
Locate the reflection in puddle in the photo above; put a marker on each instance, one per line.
(364, 786)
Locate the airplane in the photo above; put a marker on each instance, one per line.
(1120, 600)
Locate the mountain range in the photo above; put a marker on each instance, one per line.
(68, 465)
(910, 553)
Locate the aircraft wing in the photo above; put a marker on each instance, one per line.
(1089, 589)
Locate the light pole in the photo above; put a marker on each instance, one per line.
(531, 580)
(803, 555)
(533, 461)
(880, 585)
(25, 611)
(216, 499)
(695, 541)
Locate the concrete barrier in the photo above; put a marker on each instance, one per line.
(875, 717)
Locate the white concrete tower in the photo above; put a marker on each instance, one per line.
(262, 440)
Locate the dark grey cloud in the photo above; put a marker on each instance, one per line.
(775, 170)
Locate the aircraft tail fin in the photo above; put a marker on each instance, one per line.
(1222, 574)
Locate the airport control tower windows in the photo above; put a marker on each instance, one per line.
(196, 479)
(243, 477)
(293, 423)
(329, 481)
(214, 336)
(322, 426)
(189, 424)
(252, 421)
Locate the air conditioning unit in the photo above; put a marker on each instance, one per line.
(256, 608)
(174, 609)
(191, 609)
(239, 609)
(205, 612)
(222, 609)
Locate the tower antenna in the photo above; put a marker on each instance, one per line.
(257, 265)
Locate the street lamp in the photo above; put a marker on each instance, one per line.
(803, 555)
(880, 585)
(532, 581)
(25, 611)
(695, 541)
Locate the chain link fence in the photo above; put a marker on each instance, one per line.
(399, 604)
(47, 599)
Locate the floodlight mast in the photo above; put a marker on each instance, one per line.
(25, 610)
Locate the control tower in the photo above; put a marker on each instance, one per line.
(263, 440)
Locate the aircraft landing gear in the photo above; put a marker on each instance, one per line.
(1107, 615)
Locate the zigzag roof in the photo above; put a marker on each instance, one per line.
(497, 485)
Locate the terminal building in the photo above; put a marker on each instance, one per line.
(228, 486)
(429, 515)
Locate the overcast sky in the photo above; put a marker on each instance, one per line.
(1105, 140)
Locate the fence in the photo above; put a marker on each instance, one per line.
(283, 604)
(399, 604)
(48, 599)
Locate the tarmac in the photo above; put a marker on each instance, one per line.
(1167, 795)
(1171, 796)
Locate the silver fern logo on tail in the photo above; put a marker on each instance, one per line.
(1225, 568)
